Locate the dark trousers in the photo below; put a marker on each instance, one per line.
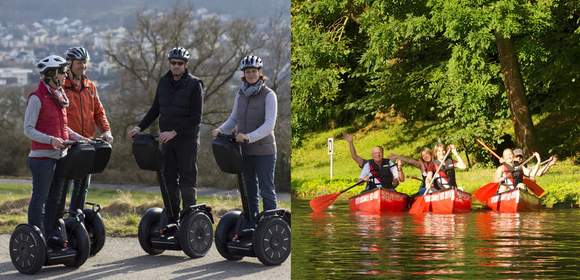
(179, 174)
(56, 200)
(259, 176)
(42, 171)
(79, 193)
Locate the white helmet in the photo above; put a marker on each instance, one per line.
(251, 61)
(179, 53)
(50, 62)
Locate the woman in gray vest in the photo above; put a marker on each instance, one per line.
(254, 116)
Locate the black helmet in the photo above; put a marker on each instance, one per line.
(178, 53)
(251, 61)
(77, 53)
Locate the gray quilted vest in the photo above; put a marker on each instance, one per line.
(251, 114)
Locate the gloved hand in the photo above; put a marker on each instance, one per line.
(107, 136)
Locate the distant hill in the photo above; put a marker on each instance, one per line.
(116, 13)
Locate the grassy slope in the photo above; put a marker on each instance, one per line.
(121, 210)
(310, 165)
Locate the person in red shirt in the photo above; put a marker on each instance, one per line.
(85, 113)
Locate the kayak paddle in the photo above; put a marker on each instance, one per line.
(486, 191)
(322, 202)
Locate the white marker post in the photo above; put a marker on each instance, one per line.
(331, 152)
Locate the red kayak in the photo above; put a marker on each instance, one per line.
(448, 201)
(513, 201)
(379, 200)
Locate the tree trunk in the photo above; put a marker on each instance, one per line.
(512, 78)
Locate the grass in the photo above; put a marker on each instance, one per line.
(121, 210)
(310, 165)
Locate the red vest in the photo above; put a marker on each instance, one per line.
(51, 118)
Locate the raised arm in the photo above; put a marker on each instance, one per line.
(460, 164)
(348, 138)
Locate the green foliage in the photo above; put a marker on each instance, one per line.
(429, 60)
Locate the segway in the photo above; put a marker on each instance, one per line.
(29, 248)
(93, 221)
(266, 237)
(193, 233)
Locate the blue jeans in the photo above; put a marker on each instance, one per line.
(259, 176)
(79, 193)
(42, 174)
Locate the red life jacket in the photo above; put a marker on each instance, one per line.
(446, 174)
(51, 118)
(513, 174)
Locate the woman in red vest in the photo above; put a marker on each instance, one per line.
(45, 124)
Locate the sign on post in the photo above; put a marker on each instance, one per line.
(330, 153)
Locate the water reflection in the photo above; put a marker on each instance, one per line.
(340, 244)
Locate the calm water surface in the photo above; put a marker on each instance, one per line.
(339, 244)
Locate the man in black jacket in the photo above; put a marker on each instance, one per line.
(178, 103)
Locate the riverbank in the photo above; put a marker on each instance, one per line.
(310, 166)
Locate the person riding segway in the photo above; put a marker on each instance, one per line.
(48, 239)
(178, 104)
(86, 113)
(265, 235)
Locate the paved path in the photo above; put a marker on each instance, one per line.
(123, 258)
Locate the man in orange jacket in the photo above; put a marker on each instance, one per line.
(85, 113)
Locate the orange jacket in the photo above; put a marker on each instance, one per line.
(85, 112)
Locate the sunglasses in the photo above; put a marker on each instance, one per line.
(61, 70)
(173, 62)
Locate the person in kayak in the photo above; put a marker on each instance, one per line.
(510, 174)
(538, 170)
(424, 163)
(381, 172)
(445, 178)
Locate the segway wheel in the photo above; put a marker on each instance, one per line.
(78, 239)
(27, 249)
(272, 241)
(224, 233)
(96, 229)
(196, 234)
(150, 225)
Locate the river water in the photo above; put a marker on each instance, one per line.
(339, 244)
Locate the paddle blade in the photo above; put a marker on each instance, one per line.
(419, 206)
(322, 202)
(486, 192)
(535, 188)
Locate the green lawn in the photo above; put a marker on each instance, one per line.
(310, 165)
(121, 210)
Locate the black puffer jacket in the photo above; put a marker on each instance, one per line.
(179, 105)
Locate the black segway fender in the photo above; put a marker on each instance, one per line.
(78, 239)
(150, 222)
(282, 213)
(27, 249)
(225, 232)
(272, 240)
(195, 234)
(96, 229)
(199, 207)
